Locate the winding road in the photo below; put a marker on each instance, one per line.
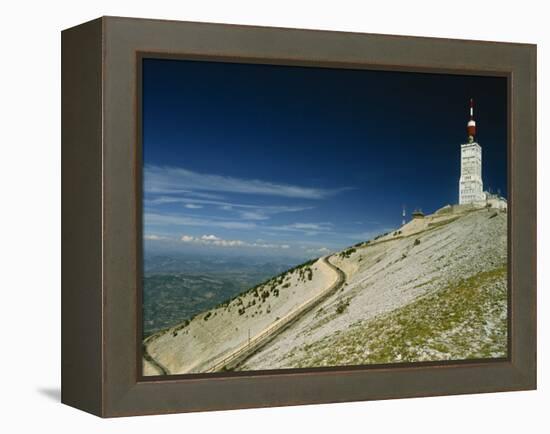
(162, 370)
(244, 351)
(241, 353)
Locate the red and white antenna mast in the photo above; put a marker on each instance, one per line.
(471, 128)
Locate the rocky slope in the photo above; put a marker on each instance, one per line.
(435, 289)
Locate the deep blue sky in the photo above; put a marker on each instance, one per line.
(264, 158)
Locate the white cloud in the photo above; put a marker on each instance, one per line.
(154, 237)
(213, 240)
(182, 220)
(210, 238)
(253, 215)
(156, 219)
(307, 228)
(311, 226)
(320, 250)
(245, 211)
(174, 180)
(230, 243)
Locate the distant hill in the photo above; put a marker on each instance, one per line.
(435, 289)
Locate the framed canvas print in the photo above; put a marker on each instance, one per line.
(259, 216)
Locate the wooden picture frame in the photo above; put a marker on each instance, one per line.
(101, 221)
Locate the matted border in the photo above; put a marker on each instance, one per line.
(119, 390)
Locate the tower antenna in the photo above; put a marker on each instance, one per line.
(471, 127)
(404, 214)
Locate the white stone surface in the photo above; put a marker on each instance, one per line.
(471, 182)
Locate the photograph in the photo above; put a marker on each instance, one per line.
(302, 217)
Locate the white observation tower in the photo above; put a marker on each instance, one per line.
(471, 183)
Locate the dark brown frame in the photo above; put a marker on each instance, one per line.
(101, 212)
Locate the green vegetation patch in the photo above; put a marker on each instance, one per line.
(342, 306)
(347, 253)
(466, 320)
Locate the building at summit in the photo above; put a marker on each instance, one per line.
(471, 181)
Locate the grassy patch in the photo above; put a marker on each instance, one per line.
(462, 321)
